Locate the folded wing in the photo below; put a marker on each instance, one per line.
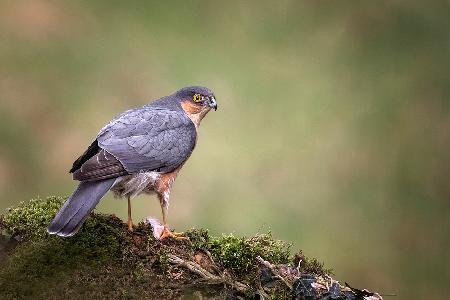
(138, 140)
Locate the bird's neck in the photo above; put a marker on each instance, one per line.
(195, 112)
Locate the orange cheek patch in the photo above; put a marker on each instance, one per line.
(191, 108)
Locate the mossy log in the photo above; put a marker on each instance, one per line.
(106, 261)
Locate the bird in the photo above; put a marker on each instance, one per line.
(140, 151)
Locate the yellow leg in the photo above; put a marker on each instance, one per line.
(165, 212)
(166, 232)
(130, 222)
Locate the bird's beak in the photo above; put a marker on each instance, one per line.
(212, 103)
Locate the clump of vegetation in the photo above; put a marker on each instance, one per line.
(31, 218)
(40, 257)
(105, 260)
(239, 253)
(310, 265)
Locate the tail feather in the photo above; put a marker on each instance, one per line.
(77, 208)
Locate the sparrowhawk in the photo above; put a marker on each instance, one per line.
(140, 151)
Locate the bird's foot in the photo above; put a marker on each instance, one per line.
(161, 232)
(172, 234)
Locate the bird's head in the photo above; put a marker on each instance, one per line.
(198, 96)
(196, 101)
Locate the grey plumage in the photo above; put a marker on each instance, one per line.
(76, 209)
(102, 165)
(131, 151)
(149, 139)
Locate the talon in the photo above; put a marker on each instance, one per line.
(166, 233)
(161, 232)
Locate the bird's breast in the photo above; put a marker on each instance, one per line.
(195, 112)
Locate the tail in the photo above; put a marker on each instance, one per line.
(77, 208)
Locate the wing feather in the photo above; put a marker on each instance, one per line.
(90, 151)
(147, 139)
(143, 139)
(103, 165)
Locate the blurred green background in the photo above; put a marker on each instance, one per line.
(333, 128)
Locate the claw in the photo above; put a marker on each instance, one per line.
(172, 234)
(161, 232)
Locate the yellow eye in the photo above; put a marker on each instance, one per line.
(197, 98)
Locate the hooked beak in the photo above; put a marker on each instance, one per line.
(212, 103)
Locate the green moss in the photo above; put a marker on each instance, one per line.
(234, 253)
(31, 218)
(41, 257)
(42, 266)
(239, 254)
(98, 238)
(199, 238)
(163, 260)
(138, 271)
(310, 265)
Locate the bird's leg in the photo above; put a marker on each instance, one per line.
(130, 222)
(165, 211)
